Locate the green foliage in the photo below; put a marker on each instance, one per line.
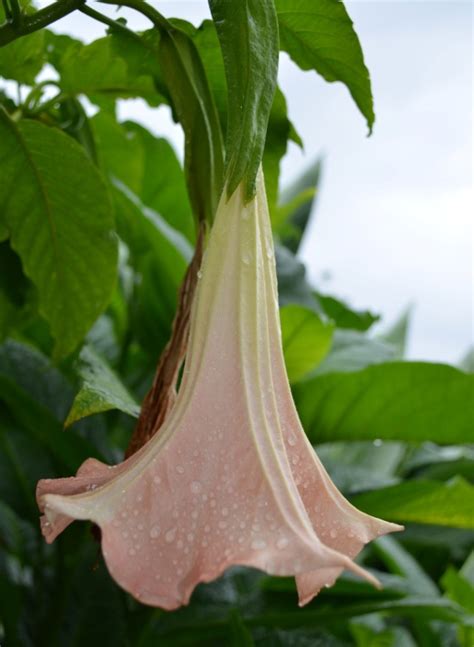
(249, 40)
(22, 60)
(58, 213)
(195, 108)
(306, 340)
(101, 389)
(408, 401)
(442, 504)
(319, 35)
(82, 327)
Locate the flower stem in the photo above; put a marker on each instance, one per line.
(160, 398)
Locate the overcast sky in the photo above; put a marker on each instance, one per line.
(393, 220)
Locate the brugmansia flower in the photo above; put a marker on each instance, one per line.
(230, 478)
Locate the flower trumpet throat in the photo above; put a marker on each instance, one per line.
(231, 477)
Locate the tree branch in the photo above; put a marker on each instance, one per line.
(13, 29)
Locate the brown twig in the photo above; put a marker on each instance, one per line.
(161, 397)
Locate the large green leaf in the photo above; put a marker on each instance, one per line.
(248, 34)
(57, 209)
(306, 340)
(433, 502)
(194, 107)
(395, 401)
(319, 35)
(101, 389)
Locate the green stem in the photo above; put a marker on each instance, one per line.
(7, 10)
(149, 12)
(16, 14)
(10, 31)
(113, 24)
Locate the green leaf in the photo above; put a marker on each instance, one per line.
(101, 389)
(400, 562)
(248, 34)
(344, 316)
(306, 340)
(319, 35)
(280, 130)
(22, 59)
(116, 66)
(293, 286)
(410, 401)
(397, 334)
(15, 290)
(195, 109)
(296, 204)
(38, 397)
(352, 351)
(160, 255)
(459, 589)
(443, 504)
(148, 166)
(57, 209)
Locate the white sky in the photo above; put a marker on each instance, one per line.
(393, 220)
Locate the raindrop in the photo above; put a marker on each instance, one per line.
(196, 487)
(295, 460)
(199, 274)
(156, 480)
(170, 535)
(222, 525)
(245, 259)
(258, 544)
(132, 552)
(225, 512)
(180, 469)
(154, 531)
(140, 526)
(291, 440)
(282, 543)
(194, 514)
(333, 533)
(190, 537)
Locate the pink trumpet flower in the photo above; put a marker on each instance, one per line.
(231, 477)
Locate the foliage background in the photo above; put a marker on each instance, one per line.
(88, 284)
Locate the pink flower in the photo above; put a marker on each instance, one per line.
(231, 477)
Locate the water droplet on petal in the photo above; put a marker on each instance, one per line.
(291, 440)
(180, 469)
(156, 480)
(333, 533)
(282, 543)
(258, 544)
(170, 535)
(155, 531)
(196, 487)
